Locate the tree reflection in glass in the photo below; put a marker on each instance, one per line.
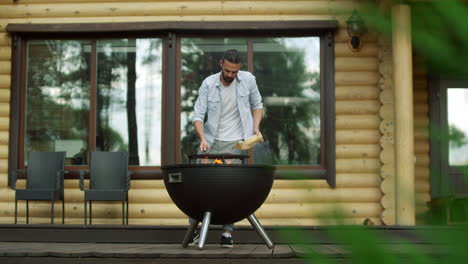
(129, 98)
(458, 127)
(200, 58)
(57, 97)
(288, 77)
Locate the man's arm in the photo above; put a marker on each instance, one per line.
(201, 135)
(256, 105)
(200, 108)
(257, 115)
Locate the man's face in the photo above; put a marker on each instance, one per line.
(229, 70)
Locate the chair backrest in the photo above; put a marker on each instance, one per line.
(43, 168)
(108, 170)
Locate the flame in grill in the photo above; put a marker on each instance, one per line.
(217, 161)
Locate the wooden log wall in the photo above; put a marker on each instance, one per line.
(421, 136)
(357, 126)
(421, 139)
(387, 155)
(358, 193)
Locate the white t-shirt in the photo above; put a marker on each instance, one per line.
(230, 123)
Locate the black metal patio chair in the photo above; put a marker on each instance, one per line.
(109, 180)
(44, 181)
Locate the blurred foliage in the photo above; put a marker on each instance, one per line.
(338, 242)
(364, 244)
(440, 35)
(439, 32)
(457, 137)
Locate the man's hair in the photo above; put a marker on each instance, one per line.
(232, 55)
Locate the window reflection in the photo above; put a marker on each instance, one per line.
(57, 88)
(457, 104)
(200, 58)
(288, 76)
(129, 99)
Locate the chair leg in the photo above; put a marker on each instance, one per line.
(63, 211)
(52, 212)
(27, 211)
(123, 212)
(16, 211)
(85, 212)
(127, 211)
(90, 212)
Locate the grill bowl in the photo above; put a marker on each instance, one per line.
(230, 192)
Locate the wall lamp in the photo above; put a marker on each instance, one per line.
(356, 29)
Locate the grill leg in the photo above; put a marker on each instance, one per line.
(255, 223)
(189, 233)
(204, 229)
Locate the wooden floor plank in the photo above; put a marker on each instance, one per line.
(283, 251)
(262, 251)
(305, 250)
(163, 251)
(168, 252)
(338, 250)
(241, 251)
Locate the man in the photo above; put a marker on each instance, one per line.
(234, 107)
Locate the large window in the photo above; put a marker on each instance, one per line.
(57, 97)
(457, 107)
(132, 88)
(449, 137)
(85, 95)
(200, 58)
(287, 71)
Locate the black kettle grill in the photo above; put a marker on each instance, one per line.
(213, 190)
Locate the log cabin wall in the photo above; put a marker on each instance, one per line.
(421, 139)
(387, 154)
(291, 202)
(421, 135)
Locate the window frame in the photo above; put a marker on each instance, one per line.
(171, 33)
(446, 180)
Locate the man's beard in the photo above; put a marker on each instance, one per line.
(227, 79)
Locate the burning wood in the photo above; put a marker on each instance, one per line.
(218, 161)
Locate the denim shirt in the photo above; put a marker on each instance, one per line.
(209, 102)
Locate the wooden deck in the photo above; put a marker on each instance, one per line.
(40, 252)
(161, 245)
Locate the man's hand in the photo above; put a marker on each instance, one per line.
(204, 146)
(199, 130)
(257, 118)
(256, 131)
